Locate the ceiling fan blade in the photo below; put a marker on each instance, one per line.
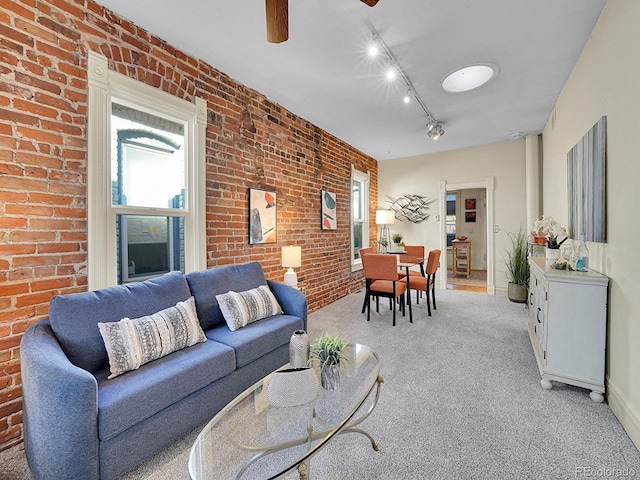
(277, 20)
(371, 3)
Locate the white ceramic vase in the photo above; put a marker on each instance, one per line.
(299, 349)
(552, 254)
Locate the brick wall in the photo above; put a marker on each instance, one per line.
(250, 142)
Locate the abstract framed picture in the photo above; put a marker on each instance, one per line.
(262, 216)
(329, 210)
(470, 217)
(470, 204)
(586, 185)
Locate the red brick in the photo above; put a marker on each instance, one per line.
(35, 31)
(39, 135)
(33, 299)
(32, 107)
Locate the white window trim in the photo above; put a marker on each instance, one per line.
(101, 224)
(356, 264)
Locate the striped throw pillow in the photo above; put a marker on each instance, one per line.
(131, 343)
(241, 308)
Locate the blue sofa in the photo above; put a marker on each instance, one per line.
(80, 425)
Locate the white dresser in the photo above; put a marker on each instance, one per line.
(567, 325)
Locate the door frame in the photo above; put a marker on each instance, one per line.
(445, 187)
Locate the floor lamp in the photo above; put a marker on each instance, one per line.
(384, 218)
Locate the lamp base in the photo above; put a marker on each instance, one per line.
(291, 278)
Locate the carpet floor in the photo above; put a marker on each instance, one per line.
(461, 399)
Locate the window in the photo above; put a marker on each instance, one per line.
(360, 216)
(145, 180)
(451, 218)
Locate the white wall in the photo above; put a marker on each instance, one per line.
(605, 81)
(422, 175)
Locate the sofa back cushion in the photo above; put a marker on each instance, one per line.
(75, 317)
(206, 284)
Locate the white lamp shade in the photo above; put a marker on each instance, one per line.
(291, 256)
(385, 217)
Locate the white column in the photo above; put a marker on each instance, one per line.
(532, 180)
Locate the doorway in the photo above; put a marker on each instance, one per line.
(473, 204)
(466, 212)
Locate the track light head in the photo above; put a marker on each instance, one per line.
(435, 130)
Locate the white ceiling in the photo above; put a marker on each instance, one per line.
(322, 72)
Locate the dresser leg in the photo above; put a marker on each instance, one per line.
(546, 384)
(597, 397)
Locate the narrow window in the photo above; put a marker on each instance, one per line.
(451, 218)
(360, 216)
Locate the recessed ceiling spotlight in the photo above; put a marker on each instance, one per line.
(373, 50)
(469, 77)
(391, 73)
(407, 97)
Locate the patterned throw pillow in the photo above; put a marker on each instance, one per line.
(134, 342)
(242, 308)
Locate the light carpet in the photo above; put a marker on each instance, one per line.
(461, 399)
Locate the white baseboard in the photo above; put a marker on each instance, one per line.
(624, 412)
(500, 291)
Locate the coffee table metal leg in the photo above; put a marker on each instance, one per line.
(303, 471)
(350, 426)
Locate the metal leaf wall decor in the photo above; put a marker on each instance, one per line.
(410, 207)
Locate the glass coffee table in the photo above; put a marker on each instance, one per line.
(251, 439)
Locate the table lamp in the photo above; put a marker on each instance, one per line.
(291, 258)
(384, 218)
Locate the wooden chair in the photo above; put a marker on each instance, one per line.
(427, 283)
(382, 280)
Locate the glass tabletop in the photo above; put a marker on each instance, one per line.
(409, 260)
(250, 438)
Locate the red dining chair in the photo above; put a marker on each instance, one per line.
(382, 280)
(363, 252)
(427, 283)
(416, 251)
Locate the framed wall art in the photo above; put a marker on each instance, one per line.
(470, 204)
(586, 178)
(262, 216)
(329, 210)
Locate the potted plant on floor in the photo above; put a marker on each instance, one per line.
(517, 267)
(328, 351)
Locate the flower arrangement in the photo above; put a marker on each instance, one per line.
(548, 226)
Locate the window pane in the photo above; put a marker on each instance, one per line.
(148, 246)
(357, 200)
(148, 161)
(357, 239)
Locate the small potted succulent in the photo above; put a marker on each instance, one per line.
(398, 246)
(328, 350)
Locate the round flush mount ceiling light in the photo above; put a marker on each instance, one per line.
(469, 77)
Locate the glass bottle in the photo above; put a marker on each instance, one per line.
(582, 255)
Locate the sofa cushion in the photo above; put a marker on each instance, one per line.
(137, 395)
(134, 342)
(242, 308)
(257, 338)
(206, 284)
(75, 317)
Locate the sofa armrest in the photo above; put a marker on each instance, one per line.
(292, 301)
(60, 409)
